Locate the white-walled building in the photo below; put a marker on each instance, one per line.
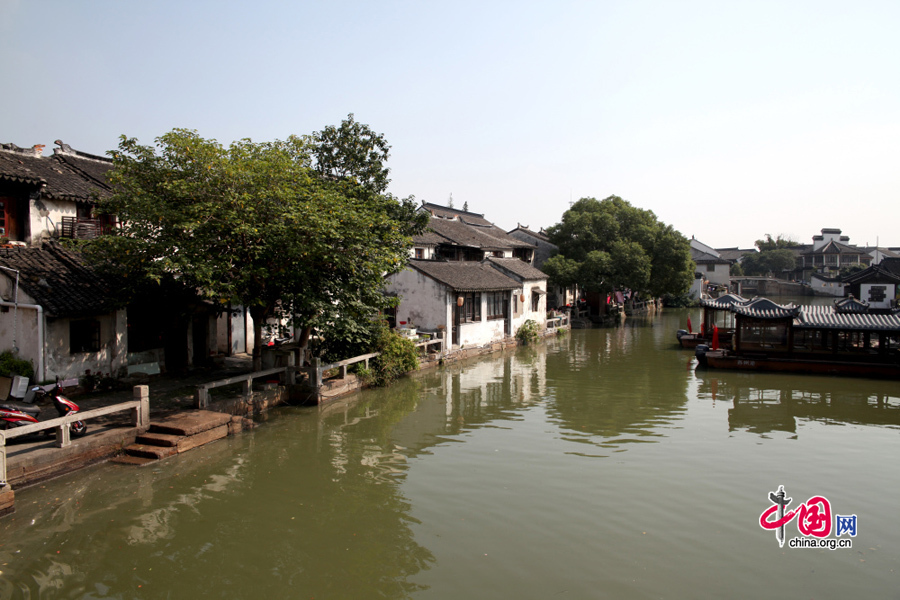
(469, 278)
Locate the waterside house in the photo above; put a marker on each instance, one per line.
(469, 278)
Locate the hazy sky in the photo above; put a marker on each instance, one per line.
(729, 120)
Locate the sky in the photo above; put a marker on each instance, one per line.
(729, 120)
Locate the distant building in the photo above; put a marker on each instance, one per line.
(830, 252)
(710, 264)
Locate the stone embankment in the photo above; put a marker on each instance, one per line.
(176, 426)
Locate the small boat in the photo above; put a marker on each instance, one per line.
(844, 339)
(712, 309)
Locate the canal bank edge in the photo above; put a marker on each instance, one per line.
(42, 464)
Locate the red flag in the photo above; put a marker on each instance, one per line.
(715, 340)
(689, 325)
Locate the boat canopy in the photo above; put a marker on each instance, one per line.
(826, 317)
(763, 308)
(723, 302)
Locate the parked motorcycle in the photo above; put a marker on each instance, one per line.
(20, 414)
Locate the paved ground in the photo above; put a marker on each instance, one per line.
(168, 393)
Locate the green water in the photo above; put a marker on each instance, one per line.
(598, 465)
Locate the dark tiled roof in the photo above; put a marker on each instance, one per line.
(456, 231)
(734, 254)
(67, 175)
(763, 308)
(59, 280)
(450, 213)
(519, 268)
(428, 238)
(538, 235)
(724, 302)
(825, 317)
(465, 276)
(851, 305)
(701, 257)
(874, 274)
(891, 265)
(835, 248)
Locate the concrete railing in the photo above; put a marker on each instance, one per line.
(140, 408)
(558, 321)
(202, 394)
(318, 369)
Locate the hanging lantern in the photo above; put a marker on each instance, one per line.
(460, 301)
(521, 297)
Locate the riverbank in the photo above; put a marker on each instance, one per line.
(33, 460)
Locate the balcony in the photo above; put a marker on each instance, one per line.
(83, 228)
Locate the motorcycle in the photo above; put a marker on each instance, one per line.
(20, 414)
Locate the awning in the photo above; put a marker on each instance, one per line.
(538, 292)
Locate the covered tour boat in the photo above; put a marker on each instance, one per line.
(844, 339)
(715, 310)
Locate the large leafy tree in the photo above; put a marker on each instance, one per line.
(609, 244)
(300, 227)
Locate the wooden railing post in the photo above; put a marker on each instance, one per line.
(142, 411)
(248, 387)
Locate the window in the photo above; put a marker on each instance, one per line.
(84, 336)
(496, 305)
(471, 308)
(535, 301)
(710, 267)
(420, 253)
(877, 293)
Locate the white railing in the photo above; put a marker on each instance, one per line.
(202, 395)
(557, 321)
(318, 369)
(141, 412)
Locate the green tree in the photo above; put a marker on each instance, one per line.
(773, 262)
(299, 227)
(611, 245)
(561, 271)
(775, 244)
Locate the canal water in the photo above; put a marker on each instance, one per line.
(598, 465)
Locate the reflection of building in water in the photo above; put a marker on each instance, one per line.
(762, 409)
(471, 393)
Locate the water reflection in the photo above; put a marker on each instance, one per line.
(316, 510)
(763, 403)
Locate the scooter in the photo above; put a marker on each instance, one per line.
(20, 414)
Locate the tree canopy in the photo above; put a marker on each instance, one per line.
(775, 261)
(775, 244)
(301, 225)
(609, 244)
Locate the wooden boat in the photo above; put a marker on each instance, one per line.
(712, 309)
(844, 339)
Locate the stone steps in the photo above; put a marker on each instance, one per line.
(177, 433)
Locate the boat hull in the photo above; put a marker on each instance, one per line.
(718, 359)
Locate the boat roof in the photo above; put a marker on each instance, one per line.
(763, 308)
(825, 317)
(723, 302)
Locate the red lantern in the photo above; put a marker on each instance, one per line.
(460, 301)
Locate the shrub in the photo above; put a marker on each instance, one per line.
(11, 364)
(398, 356)
(528, 332)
